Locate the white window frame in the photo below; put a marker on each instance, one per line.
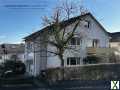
(78, 41)
(77, 61)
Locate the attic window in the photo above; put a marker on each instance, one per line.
(87, 24)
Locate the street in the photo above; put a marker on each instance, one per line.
(75, 88)
(64, 85)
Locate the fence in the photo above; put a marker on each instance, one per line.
(85, 72)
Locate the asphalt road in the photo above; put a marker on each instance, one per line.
(34, 88)
(75, 88)
(65, 85)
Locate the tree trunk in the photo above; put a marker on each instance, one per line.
(62, 65)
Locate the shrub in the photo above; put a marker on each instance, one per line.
(12, 68)
(112, 58)
(91, 60)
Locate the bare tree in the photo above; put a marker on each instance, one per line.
(58, 36)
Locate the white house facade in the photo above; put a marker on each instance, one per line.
(89, 34)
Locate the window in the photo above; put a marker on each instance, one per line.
(29, 45)
(95, 43)
(75, 41)
(87, 24)
(73, 61)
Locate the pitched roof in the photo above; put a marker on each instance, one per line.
(115, 37)
(63, 23)
(12, 48)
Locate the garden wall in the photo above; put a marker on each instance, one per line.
(87, 72)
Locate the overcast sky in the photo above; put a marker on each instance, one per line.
(16, 23)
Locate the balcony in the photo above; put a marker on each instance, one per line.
(99, 51)
(91, 51)
(103, 53)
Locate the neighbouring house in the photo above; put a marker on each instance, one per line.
(12, 52)
(94, 40)
(115, 43)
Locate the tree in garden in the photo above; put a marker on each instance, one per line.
(58, 35)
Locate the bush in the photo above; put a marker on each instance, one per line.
(112, 58)
(53, 75)
(94, 72)
(12, 68)
(86, 72)
(91, 60)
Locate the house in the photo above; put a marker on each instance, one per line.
(11, 52)
(115, 43)
(94, 39)
(115, 40)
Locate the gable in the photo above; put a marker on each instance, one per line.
(98, 24)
